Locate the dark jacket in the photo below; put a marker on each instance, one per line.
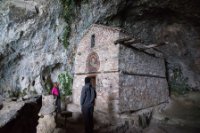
(88, 95)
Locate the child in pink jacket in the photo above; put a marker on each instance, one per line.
(55, 92)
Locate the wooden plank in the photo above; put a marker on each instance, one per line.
(121, 40)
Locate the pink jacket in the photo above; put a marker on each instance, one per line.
(54, 91)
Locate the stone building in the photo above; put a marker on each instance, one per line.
(125, 79)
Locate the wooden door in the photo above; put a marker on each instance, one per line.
(93, 81)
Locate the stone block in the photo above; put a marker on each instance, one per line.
(106, 89)
(73, 108)
(48, 105)
(46, 124)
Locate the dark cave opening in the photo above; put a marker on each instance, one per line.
(26, 120)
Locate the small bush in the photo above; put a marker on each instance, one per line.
(68, 15)
(15, 93)
(66, 83)
(66, 37)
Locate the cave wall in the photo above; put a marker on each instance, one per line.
(173, 22)
(32, 32)
(30, 43)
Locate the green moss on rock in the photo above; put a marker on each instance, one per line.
(178, 84)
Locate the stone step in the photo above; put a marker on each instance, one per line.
(74, 108)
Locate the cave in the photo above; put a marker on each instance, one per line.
(40, 38)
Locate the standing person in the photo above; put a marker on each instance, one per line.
(87, 100)
(56, 93)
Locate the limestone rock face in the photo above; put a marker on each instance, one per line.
(1, 102)
(9, 112)
(30, 44)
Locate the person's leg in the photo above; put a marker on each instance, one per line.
(59, 104)
(86, 119)
(91, 123)
(56, 103)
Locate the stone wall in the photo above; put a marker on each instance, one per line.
(107, 76)
(135, 62)
(143, 80)
(77, 86)
(139, 92)
(107, 91)
(104, 47)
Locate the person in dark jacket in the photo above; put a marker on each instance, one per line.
(87, 100)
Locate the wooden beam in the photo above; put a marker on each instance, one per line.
(127, 40)
(132, 41)
(138, 45)
(121, 40)
(145, 47)
(145, 75)
(138, 49)
(99, 72)
(155, 45)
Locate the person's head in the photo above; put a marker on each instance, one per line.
(55, 84)
(87, 80)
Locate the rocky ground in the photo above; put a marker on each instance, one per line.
(9, 111)
(180, 115)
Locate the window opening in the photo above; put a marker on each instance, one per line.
(92, 40)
